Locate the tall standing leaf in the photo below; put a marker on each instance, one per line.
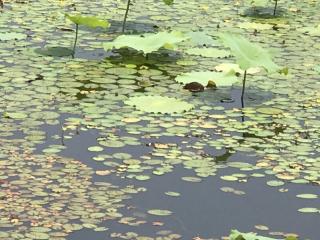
(88, 21)
(248, 55)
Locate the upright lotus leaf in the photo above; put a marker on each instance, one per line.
(248, 54)
(221, 79)
(159, 104)
(236, 235)
(88, 21)
(147, 43)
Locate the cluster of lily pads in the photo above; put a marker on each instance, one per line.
(284, 146)
(248, 56)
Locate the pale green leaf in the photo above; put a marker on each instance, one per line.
(159, 104)
(147, 43)
(88, 21)
(248, 55)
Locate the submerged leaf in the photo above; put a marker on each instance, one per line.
(54, 51)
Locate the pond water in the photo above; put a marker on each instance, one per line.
(81, 158)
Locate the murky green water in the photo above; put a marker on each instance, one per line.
(78, 162)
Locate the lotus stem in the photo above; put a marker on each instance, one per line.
(75, 41)
(1, 4)
(125, 16)
(243, 88)
(275, 7)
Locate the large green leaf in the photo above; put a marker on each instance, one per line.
(88, 21)
(248, 54)
(147, 43)
(219, 78)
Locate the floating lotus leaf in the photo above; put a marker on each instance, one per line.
(253, 25)
(309, 210)
(147, 43)
(88, 21)
(54, 51)
(209, 52)
(219, 78)
(236, 235)
(159, 104)
(313, 31)
(307, 196)
(269, 111)
(159, 212)
(6, 36)
(248, 54)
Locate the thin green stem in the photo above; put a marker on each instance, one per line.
(75, 41)
(275, 7)
(125, 16)
(243, 88)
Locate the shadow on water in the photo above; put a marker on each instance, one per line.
(128, 56)
(264, 12)
(132, 27)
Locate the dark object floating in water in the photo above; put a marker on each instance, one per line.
(198, 87)
(194, 87)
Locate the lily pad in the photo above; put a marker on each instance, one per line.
(7, 36)
(159, 104)
(159, 212)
